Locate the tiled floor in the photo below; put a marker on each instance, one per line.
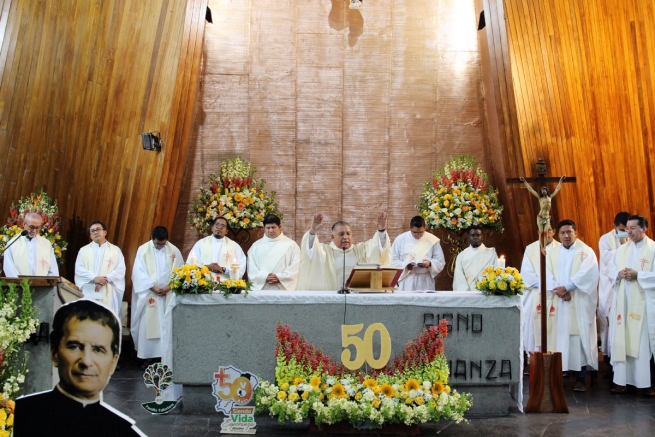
(593, 413)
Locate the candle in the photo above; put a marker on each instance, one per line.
(192, 258)
(234, 270)
(501, 262)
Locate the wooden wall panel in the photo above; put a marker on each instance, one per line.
(579, 93)
(348, 112)
(80, 82)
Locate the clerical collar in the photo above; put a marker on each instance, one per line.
(640, 243)
(278, 238)
(218, 238)
(571, 247)
(100, 245)
(481, 246)
(84, 402)
(28, 238)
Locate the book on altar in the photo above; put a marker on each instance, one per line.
(372, 278)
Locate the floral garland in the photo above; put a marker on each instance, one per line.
(44, 206)
(414, 389)
(17, 324)
(459, 196)
(501, 282)
(235, 195)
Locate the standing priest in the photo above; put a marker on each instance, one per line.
(218, 252)
(420, 255)
(274, 260)
(531, 273)
(472, 261)
(632, 317)
(153, 265)
(572, 281)
(31, 255)
(102, 263)
(322, 265)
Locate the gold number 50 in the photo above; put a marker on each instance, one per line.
(364, 347)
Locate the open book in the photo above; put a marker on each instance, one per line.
(373, 278)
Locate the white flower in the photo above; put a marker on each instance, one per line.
(330, 381)
(427, 385)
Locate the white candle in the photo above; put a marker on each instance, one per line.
(192, 259)
(501, 262)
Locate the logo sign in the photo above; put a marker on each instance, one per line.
(158, 376)
(364, 347)
(241, 420)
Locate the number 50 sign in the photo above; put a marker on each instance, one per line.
(364, 347)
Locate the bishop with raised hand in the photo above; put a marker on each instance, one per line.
(322, 265)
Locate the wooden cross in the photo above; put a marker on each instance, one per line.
(541, 180)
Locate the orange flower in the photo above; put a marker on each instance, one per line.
(241, 206)
(453, 220)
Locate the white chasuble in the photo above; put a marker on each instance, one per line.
(572, 325)
(280, 256)
(469, 266)
(31, 258)
(607, 245)
(632, 316)
(106, 260)
(406, 249)
(531, 299)
(152, 267)
(321, 265)
(221, 251)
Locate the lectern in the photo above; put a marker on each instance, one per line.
(373, 279)
(48, 295)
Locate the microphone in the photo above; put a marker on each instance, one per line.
(344, 290)
(22, 234)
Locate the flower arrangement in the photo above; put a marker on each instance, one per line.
(192, 279)
(500, 282)
(459, 196)
(413, 389)
(44, 206)
(17, 324)
(234, 286)
(235, 195)
(7, 409)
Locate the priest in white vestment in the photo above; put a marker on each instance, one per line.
(322, 265)
(274, 260)
(607, 245)
(572, 281)
(420, 255)
(531, 299)
(632, 316)
(153, 265)
(472, 261)
(218, 252)
(32, 254)
(101, 263)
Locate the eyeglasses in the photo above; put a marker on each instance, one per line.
(220, 226)
(93, 231)
(34, 228)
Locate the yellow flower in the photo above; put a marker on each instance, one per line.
(284, 386)
(321, 396)
(437, 388)
(492, 285)
(282, 395)
(376, 403)
(447, 389)
(238, 197)
(419, 400)
(4, 433)
(509, 270)
(409, 401)
(315, 382)
(498, 272)
(513, 284)
(446, 203)
(517, 276)
(491, 277)
(261, 195)
(370, 383)
(502, 285)
(324, 386)
(294, 397)
(478, 284)
(3, 417)
(358, 396)
(305, 395)
(376, 389)
(412, 384)
(339, 391)
(298, 380)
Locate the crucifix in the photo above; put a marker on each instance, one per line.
(543, 223)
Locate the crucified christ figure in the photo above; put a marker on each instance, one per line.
(543, 218)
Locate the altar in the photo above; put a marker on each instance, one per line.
(483, 347)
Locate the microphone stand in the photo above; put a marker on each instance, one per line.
(22, 234)
(344, 290)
